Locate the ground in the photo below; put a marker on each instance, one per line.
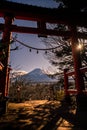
(37, 115)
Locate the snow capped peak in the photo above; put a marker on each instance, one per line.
(37, 76)
(36, 71)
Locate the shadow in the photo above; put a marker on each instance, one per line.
(81, 111)
(50, 115)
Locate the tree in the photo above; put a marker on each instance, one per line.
(72, 4)
(62, 56)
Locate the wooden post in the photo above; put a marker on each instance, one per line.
(81, 97)
(8, 82)
(6, 43)
(77, 61)
(5, 60)
(66, 85)
(66, 82)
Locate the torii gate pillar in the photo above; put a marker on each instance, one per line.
(81, 98)
(5, 60)
(79, 81)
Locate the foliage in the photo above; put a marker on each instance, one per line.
(62, 56)
(72, 4)
(20, 91)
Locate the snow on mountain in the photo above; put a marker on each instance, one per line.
(15, 74)
(37, 75)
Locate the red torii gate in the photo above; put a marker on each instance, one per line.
(68, 73)
(11, 10)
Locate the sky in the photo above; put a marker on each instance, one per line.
(23, 59)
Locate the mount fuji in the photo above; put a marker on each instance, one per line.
(37, 76)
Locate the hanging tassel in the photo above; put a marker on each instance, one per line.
(30, 50)
(45, 52)
(37, 51)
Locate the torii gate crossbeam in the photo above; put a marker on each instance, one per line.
(34, 13)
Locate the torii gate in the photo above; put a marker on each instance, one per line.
(11, 10)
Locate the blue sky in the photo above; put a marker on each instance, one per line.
(23, 59)
(42, 3)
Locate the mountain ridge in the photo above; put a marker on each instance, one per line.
(37, 75)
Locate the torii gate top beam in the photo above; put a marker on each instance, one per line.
(33, 13)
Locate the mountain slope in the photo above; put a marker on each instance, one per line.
(37, 75)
